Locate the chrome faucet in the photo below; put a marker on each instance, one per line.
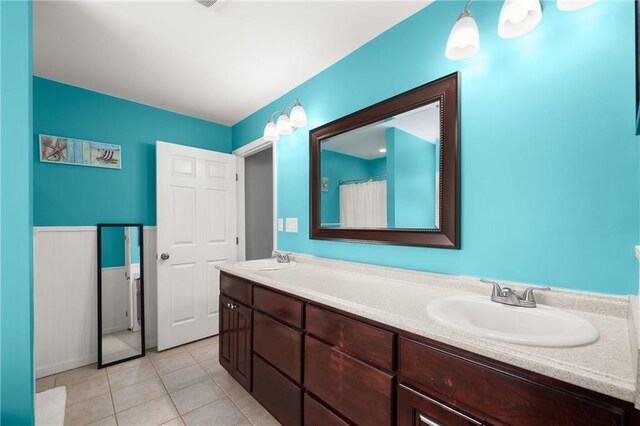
(509, 296)
(280, 257)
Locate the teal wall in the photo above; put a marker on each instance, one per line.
(67, 195)
(16, 281)
(135, 246)
(112, 247)
(549, 157)
(412, 186)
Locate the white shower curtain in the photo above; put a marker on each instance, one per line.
(363, 205)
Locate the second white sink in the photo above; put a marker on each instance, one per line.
(265, 265)
(541, 326)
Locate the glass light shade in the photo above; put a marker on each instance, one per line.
(571, 5)
(464, 39)
(271, 132)
(298, 116)
(518, 17)
(283, 125)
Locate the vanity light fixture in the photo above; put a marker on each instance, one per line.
(464, 39)
(571, 5)
(286, 124)
(518, 17)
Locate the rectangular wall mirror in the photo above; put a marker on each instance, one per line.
(120, 293)
(389, 173)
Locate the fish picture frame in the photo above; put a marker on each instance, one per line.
(76, 152)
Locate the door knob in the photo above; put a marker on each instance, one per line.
(164, 256)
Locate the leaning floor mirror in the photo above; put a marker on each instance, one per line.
(120, 293)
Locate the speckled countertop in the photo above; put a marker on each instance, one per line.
(399, 297)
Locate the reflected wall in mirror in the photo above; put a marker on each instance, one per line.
(389, 173)
(120, 293)
(384, 175)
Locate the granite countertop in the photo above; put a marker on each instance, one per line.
(398, 298)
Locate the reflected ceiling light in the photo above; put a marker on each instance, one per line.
(382, 150)
(464, 39)
(571, 5)
(286, 124)
(518, 17)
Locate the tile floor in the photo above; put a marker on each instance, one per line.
(181, 386)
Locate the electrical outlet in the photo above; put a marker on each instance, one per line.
(292, 224)
(280, 224)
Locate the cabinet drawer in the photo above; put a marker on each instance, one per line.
(276, 393)
(356, 390)
(316, 414)
(236, 288)
(416, 409)
(286, 309)
(365, 342)
(278, 344)
(499, 396)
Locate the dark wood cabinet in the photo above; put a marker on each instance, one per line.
(307, 364)
(235, 341)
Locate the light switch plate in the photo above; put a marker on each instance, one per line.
(280, 224)
(292, 224)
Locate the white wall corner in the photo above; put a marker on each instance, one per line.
(638, 253)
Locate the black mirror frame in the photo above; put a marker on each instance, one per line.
(142, 325)
(446, 90)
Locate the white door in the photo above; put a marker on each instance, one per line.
(196, 227)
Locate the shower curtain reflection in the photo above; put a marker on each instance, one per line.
(363, 205)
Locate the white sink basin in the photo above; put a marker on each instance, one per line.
(541, 326)
(265, 265)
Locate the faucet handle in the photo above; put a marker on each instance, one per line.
(528, 293)
(497, 291)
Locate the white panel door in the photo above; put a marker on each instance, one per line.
(196, 215)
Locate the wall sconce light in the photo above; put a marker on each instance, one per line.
(464, 39)
(286, 124)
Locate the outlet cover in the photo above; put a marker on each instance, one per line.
(292, 224)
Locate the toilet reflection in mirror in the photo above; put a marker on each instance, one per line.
(120, 293)
(384, 175)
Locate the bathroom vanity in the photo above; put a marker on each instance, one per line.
(327, 352)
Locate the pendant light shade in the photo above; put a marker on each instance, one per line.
(271, 132)
(298, 116)
(464, 39)
(283, 125)
(571, 5)
(518, 17)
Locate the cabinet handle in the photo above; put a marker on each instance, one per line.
(229, 305)
(429, 422)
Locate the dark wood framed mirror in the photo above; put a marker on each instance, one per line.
(389, 173)
(121, 328)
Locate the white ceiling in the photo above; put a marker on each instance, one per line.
(220, 64)
(366, 142)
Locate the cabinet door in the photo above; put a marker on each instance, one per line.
(242, 320)
(225, 340)
(417, 409)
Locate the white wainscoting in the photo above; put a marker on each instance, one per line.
(65, 296)
(115, 296)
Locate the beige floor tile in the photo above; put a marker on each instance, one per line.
(245, 402)
(227, 383)
(264, 419)
(107, 421)
(204, 349)
(222, 412)
(153, 353)
(175, 362)
(195, 396)
(130, 376)
(180, 379)
(79, 375)
(213, 368)
(175, 422)
(151, 413)
(87, 390)
(45, 383)
(133, 363)
(137, 394)
(89, 411)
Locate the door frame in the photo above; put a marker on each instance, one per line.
(241, 153)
